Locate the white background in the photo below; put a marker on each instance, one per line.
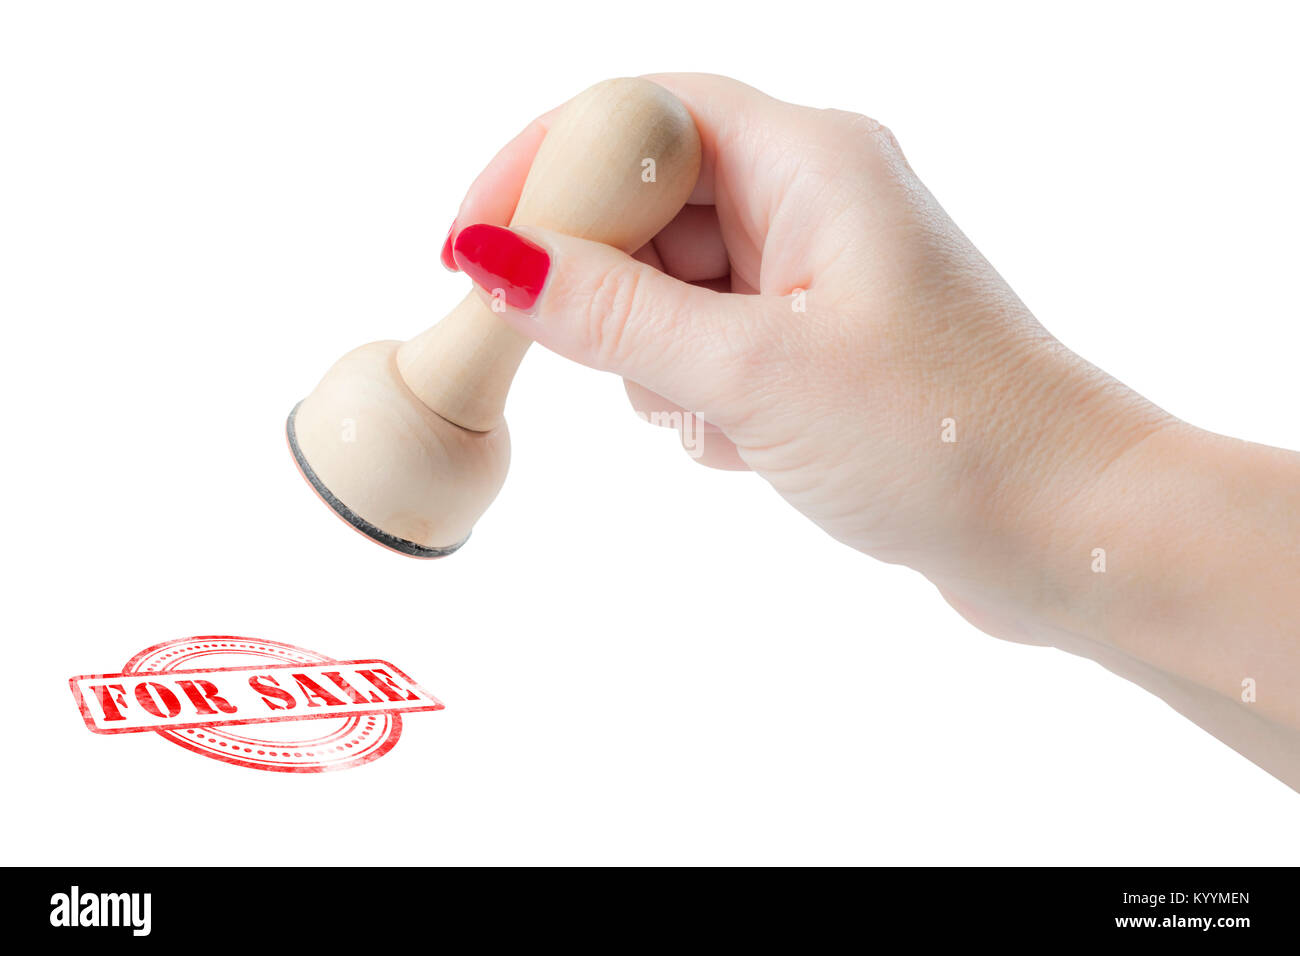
(203, 206)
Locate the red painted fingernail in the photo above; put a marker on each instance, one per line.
(496, 258)
(448, 259)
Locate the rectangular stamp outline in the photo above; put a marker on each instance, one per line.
(83, 704)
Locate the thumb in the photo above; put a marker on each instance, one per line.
(598, 306)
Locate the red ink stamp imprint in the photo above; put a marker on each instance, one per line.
(255, 703)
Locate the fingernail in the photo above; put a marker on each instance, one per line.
(496, 258)
(448, 259)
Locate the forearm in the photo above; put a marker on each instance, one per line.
(1201, 536)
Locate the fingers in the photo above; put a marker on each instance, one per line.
(767, 168)
(690, 247)
(726, 112)
(493, 196)
(607, 310)
(703, 441)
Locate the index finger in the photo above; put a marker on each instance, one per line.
(494, 194)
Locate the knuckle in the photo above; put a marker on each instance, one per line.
(865, 130)
(745, 355)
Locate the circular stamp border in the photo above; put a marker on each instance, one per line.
(357, 732)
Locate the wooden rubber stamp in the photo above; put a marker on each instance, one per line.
(406, 441)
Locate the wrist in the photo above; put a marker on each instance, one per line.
(1042, 494)
(1169, 547)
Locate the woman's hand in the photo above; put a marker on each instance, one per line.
(815, 316)
(832, 328)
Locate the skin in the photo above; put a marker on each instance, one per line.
(841, 406)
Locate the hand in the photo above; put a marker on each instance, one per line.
(832, 328)
(838, 335)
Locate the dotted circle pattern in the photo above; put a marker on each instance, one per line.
(345, 742)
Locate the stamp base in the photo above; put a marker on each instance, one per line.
(392, 542)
